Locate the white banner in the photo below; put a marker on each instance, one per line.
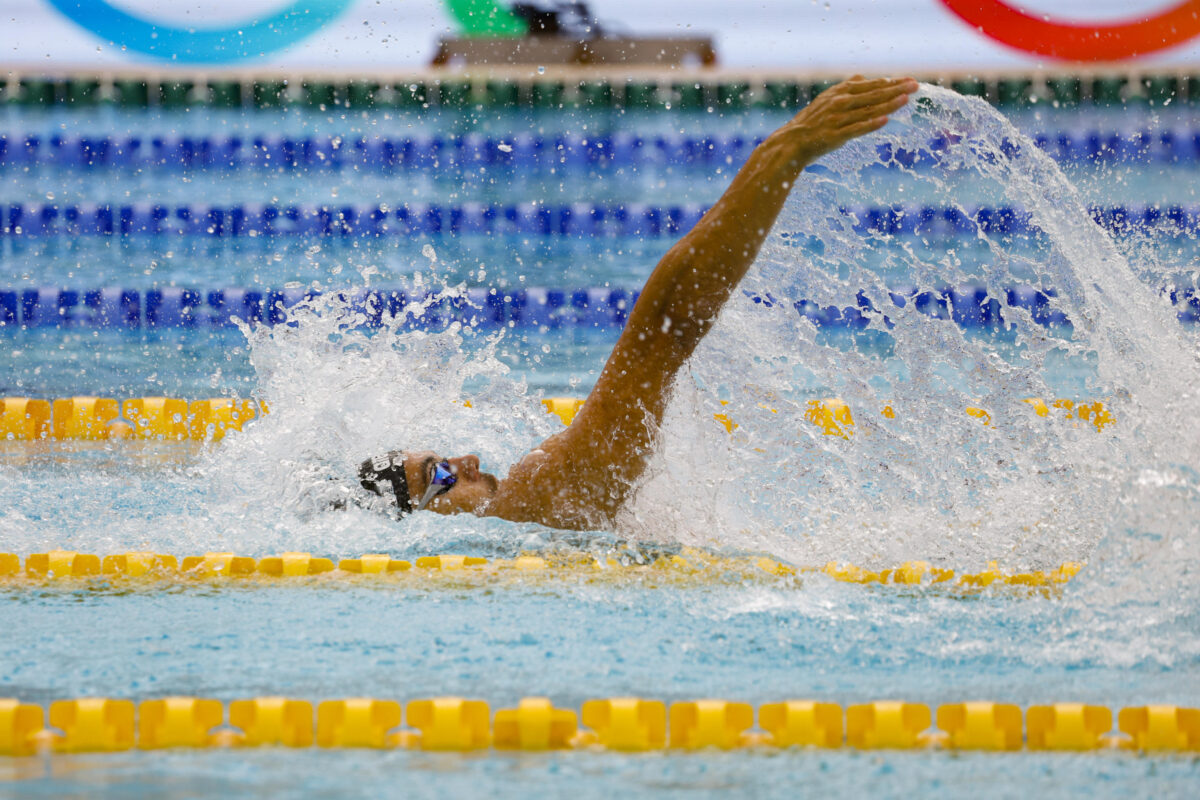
(838, 35)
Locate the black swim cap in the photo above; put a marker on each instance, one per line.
(387, 467)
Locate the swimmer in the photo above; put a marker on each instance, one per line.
(580, 478)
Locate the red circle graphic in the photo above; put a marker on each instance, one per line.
(1070, 41)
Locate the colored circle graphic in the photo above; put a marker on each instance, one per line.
(202, 44)
(485, 18)
(1081, 41)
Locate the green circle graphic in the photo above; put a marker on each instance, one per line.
(485, 18)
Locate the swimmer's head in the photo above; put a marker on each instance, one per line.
(422, 480)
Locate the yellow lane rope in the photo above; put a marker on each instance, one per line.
(171, 419)
(689, 565)
(98, 724)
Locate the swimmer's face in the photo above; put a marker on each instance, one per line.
(471, 493)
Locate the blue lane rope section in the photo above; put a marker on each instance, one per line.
(533, 219)
(402, 219)
(527, 151)
(968, 305)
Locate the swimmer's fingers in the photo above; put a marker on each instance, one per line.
(849, 132)
(858, 85)
(847, 91)
(852, 95)
(885, 106)
(861, 128)
(876, 97)
(843, 112)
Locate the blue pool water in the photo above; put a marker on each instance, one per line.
(932, 484)
(573, 642)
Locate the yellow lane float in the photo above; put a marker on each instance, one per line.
(629, 724)
(167, 419)
(688, 566)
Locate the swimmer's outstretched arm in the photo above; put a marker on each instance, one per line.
(587, 469)
(692, 282)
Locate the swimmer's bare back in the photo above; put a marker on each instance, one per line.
(580, 478)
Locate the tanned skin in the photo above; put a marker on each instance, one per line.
(580, 478)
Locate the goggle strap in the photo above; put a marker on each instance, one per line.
(431, 491)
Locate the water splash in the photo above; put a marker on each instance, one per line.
(933, 482)
(340, 392)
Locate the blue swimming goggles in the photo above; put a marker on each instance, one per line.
(443, 478)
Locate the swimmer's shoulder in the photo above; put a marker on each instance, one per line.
(545, 487)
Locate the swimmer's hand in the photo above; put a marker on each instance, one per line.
(843, 112)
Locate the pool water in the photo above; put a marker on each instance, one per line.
(931, 484)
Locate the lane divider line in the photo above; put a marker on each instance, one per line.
(241, 220)
(44, 569)
(87, 418)
(602, 307)
(168, 152)
(629, 724)
(166, 419)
